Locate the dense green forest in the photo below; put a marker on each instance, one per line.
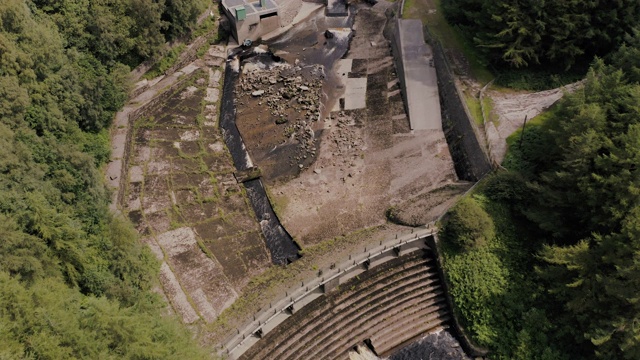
(74, 280)
(525, 33)
(544, 258)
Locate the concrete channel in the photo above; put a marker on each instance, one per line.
(279, 242)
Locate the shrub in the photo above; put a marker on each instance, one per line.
(166, 62)
(468, 225)
(478, 279)
(507, 186)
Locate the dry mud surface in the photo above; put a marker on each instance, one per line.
(333, 172)
(276, 111)
(329, 133)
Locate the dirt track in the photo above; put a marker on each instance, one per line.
(510, 109)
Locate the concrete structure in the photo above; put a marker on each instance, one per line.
(387, 305)
(251, 19)
(337, 8)
(417, 76)
(355, 89)
(465, 142)
(307, 9)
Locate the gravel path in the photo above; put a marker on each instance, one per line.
(511, 109)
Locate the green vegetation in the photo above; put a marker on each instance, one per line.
(561, 276)
(450, 36)
(533, 44)
(74, 280)
(488, 114)
(493, 285)
(468, 225)
(475, 108)
(537, 79)
(165, 63)
(180, 16)
(543, 32)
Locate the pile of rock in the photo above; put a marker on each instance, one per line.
(291, 96)
(346, 138)
(305, 136)
(287, 95)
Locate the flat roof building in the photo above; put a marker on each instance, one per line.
(251, 19)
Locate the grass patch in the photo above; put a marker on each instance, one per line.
(487, 109)
(207, 26)
(202, 49)
(473, 104)
(527, 150)
(165, 63)
(409, 8)
(535, 122)
(278, 202)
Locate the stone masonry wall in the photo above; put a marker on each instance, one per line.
(470, 159)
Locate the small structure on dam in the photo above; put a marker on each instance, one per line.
(251, 19)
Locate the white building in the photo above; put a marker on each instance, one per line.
(251, 19)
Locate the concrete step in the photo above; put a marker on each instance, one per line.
(286, 332)
(385, 285)
(377, 299)
(332, 320)
(413, 332)
(358, 322)
(384, 271)
(322, 312)
(334, 317)
(417, 308)
(407, 320)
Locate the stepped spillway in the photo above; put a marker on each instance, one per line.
(389, 305)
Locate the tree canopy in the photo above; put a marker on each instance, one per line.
(523, 33)
(572, 191)
(468, 225)
(589, 201)
(74, 280)
(584, 195)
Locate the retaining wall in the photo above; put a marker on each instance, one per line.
(469, 156)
